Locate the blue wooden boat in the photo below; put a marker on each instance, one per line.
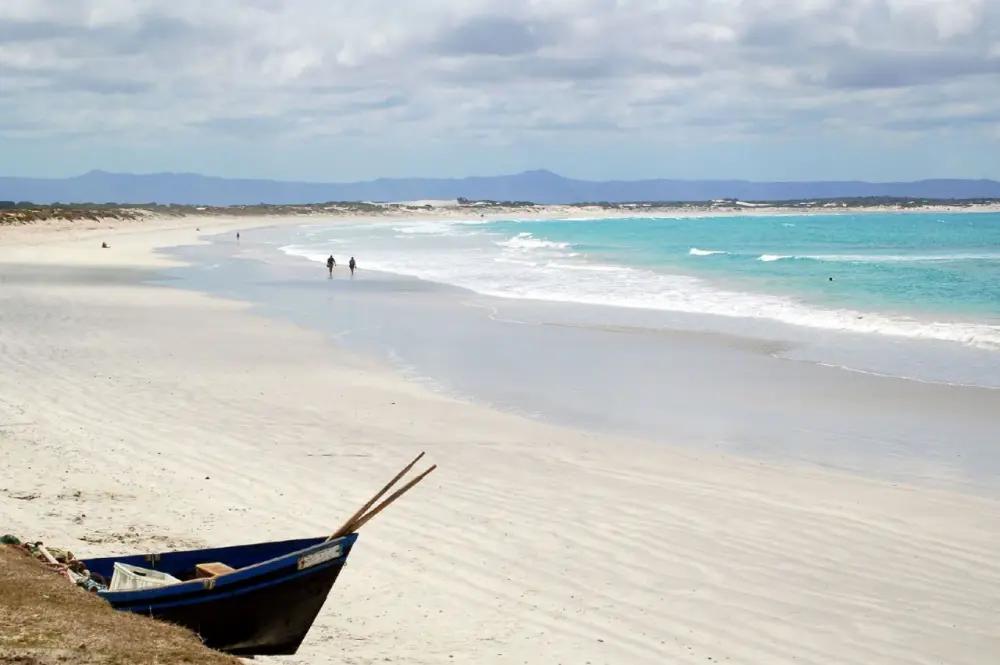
(265, 606)
(247, 600)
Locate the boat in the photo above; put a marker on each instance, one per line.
(264, 606)
(247, 600)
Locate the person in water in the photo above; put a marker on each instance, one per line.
(330, 263)
(352, 265)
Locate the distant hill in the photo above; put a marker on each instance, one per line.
(538, 186)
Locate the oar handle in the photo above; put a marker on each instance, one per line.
(392, 497)
(345, 528)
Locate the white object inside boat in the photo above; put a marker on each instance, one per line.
(131, 578)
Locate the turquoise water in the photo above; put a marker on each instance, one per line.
(931, 276)
(922, 264)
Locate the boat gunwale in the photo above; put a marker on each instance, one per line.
(170, 595)
(196, 597)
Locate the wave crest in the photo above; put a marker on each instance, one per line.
(903, 258)
(528, 241)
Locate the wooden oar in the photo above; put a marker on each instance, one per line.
(345, 528)
(64, 570)
(47, 555)
(392, 497)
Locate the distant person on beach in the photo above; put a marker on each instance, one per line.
(237, 236)
(330, 263)
(352, 265)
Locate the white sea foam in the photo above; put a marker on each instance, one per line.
(507, 259)
(588, 267)
(426, 228)
(904, 258)
(528, 241)
(881, 258)
(306, 252)
(694, 251)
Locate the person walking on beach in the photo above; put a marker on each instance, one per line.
(330, 263)
(352, 265)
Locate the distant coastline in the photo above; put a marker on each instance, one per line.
(23, 212)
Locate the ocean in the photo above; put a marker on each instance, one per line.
(930, 276)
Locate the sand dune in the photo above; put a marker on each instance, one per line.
(138, 417)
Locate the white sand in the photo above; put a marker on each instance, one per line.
(137, 418)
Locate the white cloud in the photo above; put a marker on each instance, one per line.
(487, 70)
(946, 18)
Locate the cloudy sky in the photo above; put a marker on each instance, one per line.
(338, 90)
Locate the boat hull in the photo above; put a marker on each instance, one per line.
(266, 607)
(267, 621)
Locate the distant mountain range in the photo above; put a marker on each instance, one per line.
(538, 186)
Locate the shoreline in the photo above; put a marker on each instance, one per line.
(619, 373)
(459, 253)
(144, 417)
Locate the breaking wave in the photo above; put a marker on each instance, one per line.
(528, 241)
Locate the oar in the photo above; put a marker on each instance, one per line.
(52, 560)
(392, 497)
(345, 527)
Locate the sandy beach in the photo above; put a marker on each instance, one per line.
(139, 417)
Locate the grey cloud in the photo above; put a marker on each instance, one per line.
(126, 37)
(943, 122)
(331, 89)
(770, 31)
(573, 69)
(595, 125)
(158, 30)
(493, 35)
(346, 106)
(891, 69)
(55, 80)
(246, 126)
(576, 68)
(99, 85)
(29, 31)
(315, 119)
(265, 5)
(390, 102)
(20, 125)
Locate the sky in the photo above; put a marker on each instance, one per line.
(331, 90)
